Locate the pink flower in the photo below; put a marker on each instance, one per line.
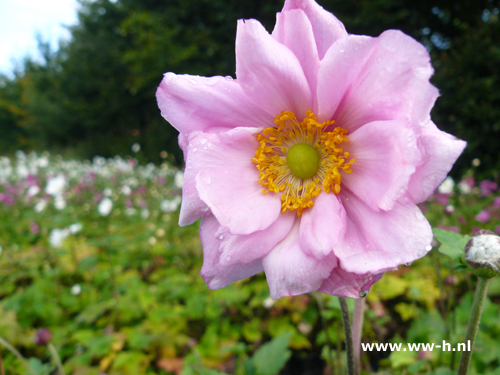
(487, 187)
(483, 216)
(335, 212)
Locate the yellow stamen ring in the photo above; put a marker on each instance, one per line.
(301, 159)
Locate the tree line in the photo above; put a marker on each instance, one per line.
(94, 95)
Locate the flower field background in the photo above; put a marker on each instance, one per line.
(92, 251)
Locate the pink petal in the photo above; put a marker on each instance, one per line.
(228, 182)
(294, 30)
(322, 226)
(379, 241)
(235, 197)
(235, 148)
(386, 154)
(382, 78)
(269, 73)
(197, 103)
(216, 275)
(440, 151)
(348, 284)
(326, 27)
(243, 249)
(289, 271)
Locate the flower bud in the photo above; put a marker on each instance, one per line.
(43, 336)
(482, 253)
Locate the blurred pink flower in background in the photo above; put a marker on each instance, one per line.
(310, 165)
(487, 187)
(483, 216)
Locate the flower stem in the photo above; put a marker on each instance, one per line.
(348, 335)
(56, 357)
(357, 331)
(475, 317)
(14, 351)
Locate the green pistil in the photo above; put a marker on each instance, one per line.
(303, 160)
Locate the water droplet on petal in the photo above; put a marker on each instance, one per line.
(428, 248)
(363, 294)
(229, 78)
(195, 149)
(221, 237)
(203, 141)
(408, 264)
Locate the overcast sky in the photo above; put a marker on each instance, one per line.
(21, 20)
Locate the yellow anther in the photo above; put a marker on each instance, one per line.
(275, 174)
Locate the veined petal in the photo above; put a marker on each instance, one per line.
(235, 148)
(243, 249)
(294, 30)
(384, 78)
(440, 151)
(289, 271)
(216, 275)
(322, 226)
(269, 73)
(386, 156)
(379, 241)
(235, 197)
(327, 28)
(198, 103)
(348, 284)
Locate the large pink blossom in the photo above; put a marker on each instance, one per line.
(341, 211)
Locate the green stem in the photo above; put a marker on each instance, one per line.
(348, 335)
(56, 357)
(475, 317)
(14, 351)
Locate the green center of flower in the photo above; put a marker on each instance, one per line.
(303, 160)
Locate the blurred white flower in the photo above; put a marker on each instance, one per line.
(447, 186)
(43, 162)
(464, 187)
(152, 241)
(59, 202)
(170, 205)
(22, 171)
(108, 192)
(56, 185)
(126, 190)
(476, 162)
(76, 289)
(57, 236)
(105, 207)
(136, 147)
(179, 179)
(32, 191)
(75, 228)
(268, 302)
(40, 206)
(130, 211)
(145, 213)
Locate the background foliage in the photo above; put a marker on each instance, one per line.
(95, 95)
(118, 284)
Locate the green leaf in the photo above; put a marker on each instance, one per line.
(38, 367)
(206, 371)
(452, 244)
(270, 358)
